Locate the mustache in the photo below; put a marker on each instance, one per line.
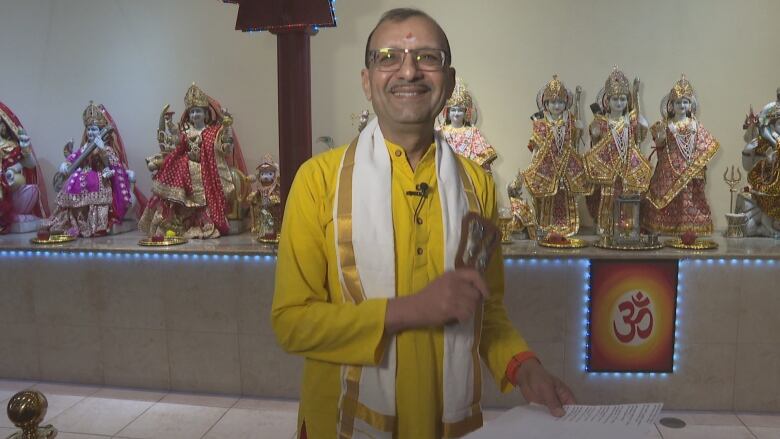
(408, 86)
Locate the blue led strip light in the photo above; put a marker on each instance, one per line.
(134, 255)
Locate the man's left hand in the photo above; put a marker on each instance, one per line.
(539, 387)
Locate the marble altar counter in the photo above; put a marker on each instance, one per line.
(196, 317)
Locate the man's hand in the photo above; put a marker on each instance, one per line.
(538, 386)
(451, 297)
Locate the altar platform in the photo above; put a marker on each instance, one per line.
(196, 317)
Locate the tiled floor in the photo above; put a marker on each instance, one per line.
(85, 412)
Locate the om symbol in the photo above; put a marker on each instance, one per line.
(637, 318)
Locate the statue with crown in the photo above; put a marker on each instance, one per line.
(265, 202)
(23, 200)
(620, 174)
(556, 176)
(676, 203)
(199, 176)
(760, 202)
(459, 118)
(96, 193)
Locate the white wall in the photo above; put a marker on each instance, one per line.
(136, 55)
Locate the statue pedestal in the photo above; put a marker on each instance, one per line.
(26, 226)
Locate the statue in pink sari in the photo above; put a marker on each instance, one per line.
(95, 188)
(22, 190)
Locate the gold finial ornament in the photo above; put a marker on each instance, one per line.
(681, 89)
(555, 90)
(460, 95)
(195, 97)
(617, 84)
(93, 115)
(26, 410)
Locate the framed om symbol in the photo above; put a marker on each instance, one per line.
(632, 316)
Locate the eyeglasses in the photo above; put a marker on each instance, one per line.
(390, 59)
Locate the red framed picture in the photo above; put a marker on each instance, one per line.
(632, 316)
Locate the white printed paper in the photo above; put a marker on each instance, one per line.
(624, 421)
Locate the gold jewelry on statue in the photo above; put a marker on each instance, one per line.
(681, 89)
(555, 90)
(460, 95)
(93, 115)
(617, 84)
(195, 97)
(268, 164)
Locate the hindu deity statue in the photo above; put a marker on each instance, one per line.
(761, 201)
(675, 202)
(460, 118)
(22, 189)
(557, 174)
(198, 175)
(266, 202)
(615, 164)
(95, 188)
(523, 214)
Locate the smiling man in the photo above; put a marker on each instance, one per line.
(366, 285)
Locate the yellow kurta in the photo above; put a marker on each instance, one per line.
(310, 317)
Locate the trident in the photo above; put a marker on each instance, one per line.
(732, 180)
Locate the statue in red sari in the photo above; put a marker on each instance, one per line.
(98, 190)
(198, 174)
(22, 190)
(676, 202)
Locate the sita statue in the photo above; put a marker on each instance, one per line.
(198, 175)
(614, 163)
(96, 192)
(459, 127)
(557, 174)
(675, 203)
(23, 200)
(761, 202)
(266, 202)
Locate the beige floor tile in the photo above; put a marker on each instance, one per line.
(771, 420)
(130, 394)
(9, 387)
(95, 415)
(766, 432)
(66, 389)
(694, 417)
(243, 423)
(194, 399)
(173, 421)
(280, 405)
(706, 432)
(80, 436)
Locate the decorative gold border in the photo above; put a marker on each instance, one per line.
(572, 243)
(166, 242)
(53, 239)
(699, 244)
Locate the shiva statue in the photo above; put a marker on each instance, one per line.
(761, 200)
(557, 174)
(266, 202)
(459, 127)
(23, 200)
(199, 175)
(95, 189)
(675, 202)
(614, 163)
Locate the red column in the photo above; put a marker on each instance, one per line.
(294, 79)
